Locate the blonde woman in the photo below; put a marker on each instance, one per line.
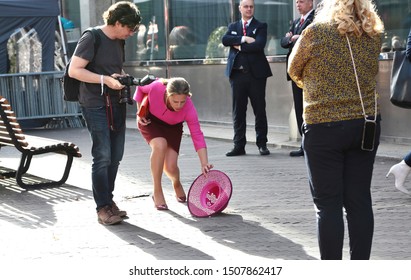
(170, 105)
(336, 109)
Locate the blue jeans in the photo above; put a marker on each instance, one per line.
(107, 149)
(340, 174)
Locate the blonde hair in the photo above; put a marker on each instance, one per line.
(350, 16)
(177, 85)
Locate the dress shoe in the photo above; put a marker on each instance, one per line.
(297, 153)
(263, 151)
(106, 216)
(400, 172)
(117, 210)
(236, 152)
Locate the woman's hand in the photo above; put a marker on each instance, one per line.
(206, 168)
(143, 121)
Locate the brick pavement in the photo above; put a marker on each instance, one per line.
(270, 215)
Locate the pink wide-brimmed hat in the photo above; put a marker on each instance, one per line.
(209, 195)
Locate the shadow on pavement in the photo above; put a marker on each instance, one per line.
(247, 236)
(155, 244)
(34, 208)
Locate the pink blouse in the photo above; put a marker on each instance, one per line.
(158, 108)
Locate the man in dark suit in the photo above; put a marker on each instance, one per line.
(305, 8)
(247, 69)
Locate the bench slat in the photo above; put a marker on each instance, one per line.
(9, 141)
(18, 134)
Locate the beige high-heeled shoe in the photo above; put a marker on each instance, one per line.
(400, 172)
(180, 198)
(159, 207)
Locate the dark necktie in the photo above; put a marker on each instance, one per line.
(245, 28)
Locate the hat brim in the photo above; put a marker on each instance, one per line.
(209, 195)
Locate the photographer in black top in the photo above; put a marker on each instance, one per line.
(100, 92)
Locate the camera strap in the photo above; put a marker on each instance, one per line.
(109, 111)
(107, 102)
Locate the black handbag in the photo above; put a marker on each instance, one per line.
(401, 81)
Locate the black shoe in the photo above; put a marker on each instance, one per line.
(236, 152)
(263, 151)
(298, 153)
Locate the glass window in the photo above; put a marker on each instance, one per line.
(396, 16)
(278, 15)
(190, 24)
(196, 27)
(149, 41)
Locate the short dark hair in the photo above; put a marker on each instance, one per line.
(124, 12)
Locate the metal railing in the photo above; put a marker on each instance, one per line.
(39, 96)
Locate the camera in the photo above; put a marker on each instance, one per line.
(128, 81)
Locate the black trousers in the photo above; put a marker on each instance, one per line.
(340, 174)
(298, 104)
(244, 86)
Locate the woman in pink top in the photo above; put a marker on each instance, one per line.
(170, 105)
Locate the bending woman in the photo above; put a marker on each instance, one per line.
(170, 105)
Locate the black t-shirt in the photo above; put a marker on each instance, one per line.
(108, 60)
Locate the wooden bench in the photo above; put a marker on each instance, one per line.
(11, 134)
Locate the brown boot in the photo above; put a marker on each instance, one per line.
(117, 211)
(107, 217)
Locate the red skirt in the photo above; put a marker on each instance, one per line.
(159, 128)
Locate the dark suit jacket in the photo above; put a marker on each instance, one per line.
(253, 52)
(295, 29)
(408, 49)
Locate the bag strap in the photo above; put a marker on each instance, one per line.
(96, 39)
(358, 85)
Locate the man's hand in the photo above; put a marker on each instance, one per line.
(249, 40)
(112, 82)
(294, 37)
